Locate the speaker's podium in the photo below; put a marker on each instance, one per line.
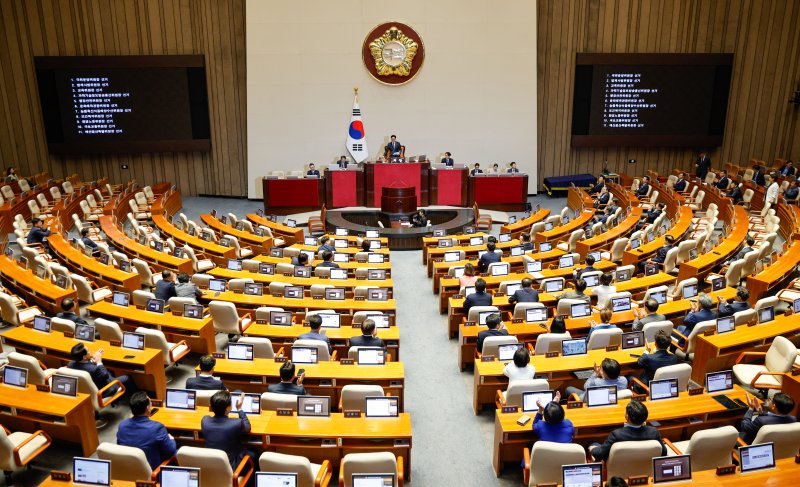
(398, 201)
(413, 175)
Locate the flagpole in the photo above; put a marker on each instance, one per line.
(355, 89)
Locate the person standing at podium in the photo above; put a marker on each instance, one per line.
(342, 162)
(447, 160)
(476, 170)
(312, 170)
(393, 148)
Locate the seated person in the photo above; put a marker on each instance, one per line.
(601, 183)
(312, 170)
(526, 294)
(369, 336)
(589, 268)
(365, 246)
(495, 169)
(758, 176)
(145, 434)
(701, 310)
(647, 315)
(300, 259)
(661, 254)
(578, 293)
(634, 429)
(778, 412)
(654, 213)
(722, 181)
(324, 244)
(520, 368)
(187, 289)
(512, 168)
(739, 303)
(736, 194)
(479, 298)
(37, 234)
(680, 183)
(787, 169)
(490, 257)
(605, 323)
(286, 386)
(68, 304)
(206, 380)
(88, 242)
(603, 197)
(644, 187)
(327, 260)
(605, 374)
(604, 290)
(495, 329)
(447, 160)
(342, 162)
(750, 242)
(222, 432)
(476, 169)
(525, 242)
(557, 325)
(419, 219)
(165, 288)
(468, 278)
(393, 148)
(651, 362)
(83, 360)
(315, 321)
(792, 191)
(555, 427)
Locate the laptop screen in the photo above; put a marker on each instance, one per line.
(335, 294)
(623, 276)
(579, 310)
(553, 286)
(632, 339)
(483, 315)
(689, 291)
(341, 257)
(234, 265)
(84, 332)
(91, 471)
(330, 320)
(181, 399)
(621, 304)
(371, 356)
(294, 292)
(575, 346)
(64, 385)
(155, 305)
(266, 268)
(133, 340)
(304, 355)
(373, 479)
(515, 251)
(314, 406)
(534, 266)
(382, 406)
(379, 294)
(659, 296)
(757, 457)
(671, 469)
(591, 280)
(371, 234)
(504, 237)
(534, 315)
(601, 396)
(476, 241)
(276, 479)
(193, 311)
(15, 376)
(250, 405)
(506, 351)
(766, 314)
(726, 324)
(254, 288)
(217, 285)
(342, 232)
(663, 389)
(545, 247)
(41, 323)
(529, 399)
(340, 243)
(240, 351)
(376, 274)
(719, 381)
(280, 318)
(500, 270)
(452, 256)
(339, 274)
(566, 261)
(374, 258)
(120, 299)
(582, 475)
(180, 476)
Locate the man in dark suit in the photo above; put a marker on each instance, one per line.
(661, 254)
(224, 433)
(792, 192)
(635, 429)
(369, 336)
(342, 162)
(165, 288)
(286, 386)
(476, 170)
(393, 148)
(589, 267)
(324, 244)
(206, 380)
(601, 183)
(787, 169)
(652, 315)
(88, 242)
(38, 233)
(525, 295)
(513, 168)
(722, 180)
(644, 188)
(93, 364)
(651, 362)
(145, 434)
(447, 160)
(701, 310)
(739, 303)
(736, 194)
(300, 259)
(496, 329)
(655, 212)
(490, 257)
(603, 198)
(778, 412)
(68, 304)
(703, 164)
(479, 298)
(758, 176)
(327, 260)
(315, 321)
(680, 183)
(525, 241)
(312, 170)
(749, 242)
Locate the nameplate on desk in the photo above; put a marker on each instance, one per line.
(115, 343)
(284, 412)
(28, 324)
(156, 403)
(728, 469)
(360, 298)
(638, 480)
(280, 360)
(550, 354)
(109, 299)
(288, 274)
(177, 313)
(487, 358)
(401, 443)
(361, 278)
(238, 291)
(752, 323)
(261, 322)
(145, 483)
(218, 355)
(709, 333)
(59, 475)
(329, 442)
(42, 388)
(277, 295)
(458, 296)
(510, 409)
(612, 348)
(695, 391)
(639, 397)
(517, 320)
(574, 404)
(354, 413)
(317, 298)
(307, 324)
(69, 334)
(346, 361)
(469, 323)
(438, 260)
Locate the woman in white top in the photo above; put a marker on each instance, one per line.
(604, 290)
(520, 368)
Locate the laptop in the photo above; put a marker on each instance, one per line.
(574, 346)
(545, 247)
(475, 241)
(15, 376)
(659, 296)
(506, 351)
(635, 243)
(293, 292)
(64, 385)
(341, 257)
(382, 406)
(601, 396)
(672, 469)
(330, 320)
(41, 323)
(91, 471)
(315, 406)
(302, 271)
(180, 476)
(250, 405)
(622, 303)
(276, 479)
(84, 332)
(517, 251)
(371, 234)
(485, 314)
(566, 261)
(554, 286)
(535, 315)
(501, 270)
(184, 399)
(504, 237)
(234, 265)
(724, 325)
(120, 298)
(632, 339)
(374, 258)
(254, 288)
(310, 241)
(217, 285)
(533, 266)
(529, 399)
(689, 291)
(280, 318)
(766, 315)
(579, 310)
(596, 255)
(468, 290)
(663, 389)
(512, 288)
(718, 284)
(154, 305)
(376, 274)
(133, 340)
(342, 232)
(372, 479)
(757, 457)
(379, 294)
(240, 351)
(623, 276)
(305, 355)
(719, 381)
(591, 280)
(582, 475)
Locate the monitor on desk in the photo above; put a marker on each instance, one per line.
(250, 405)
(341, 257)
(512, 219)
(533, 266)
(302, 271)
(217, 285)
(512, 288)
(718, 284)
(184, 399)
(672, 469)
(180, 476)
(276, 479)
(84, 332)
(154, 305)
(506, 351)
(340, 243)
(120, 298)
(650, 268)
(375, 258)
(15, 376)
(342, 232)
(266, 268)
(591, 280)
(381, 320)
(573, 346)
(457, 271)
(517, 251)
(372, 234)
(579, 310)
(545, 247)
(663, 389)
(41, 323)
(316, 406)
(485, 314)
(757, 457)
(601, 396)
(582, 475)
(554, 286)
(504, 237)
(566, 261)
(476, 241)
(372, 480)
(290, 223)
(724, 325)
(469, 230)
(501, 270)
(240, 351)
(234, 265)
(469, 290)
(371, 356)
(635, 243)
(305, 355)
(91, 471)
(133, 340)
(374, 244)
(438, 232)
(632, 339)
(796, 305)
(293, 292)
(310, 254)
(64, 385)
(254, 288)
(382, 406)
(659, 296)
(276, 252)
(378, 294)
(689, 291)
(338, 274)
(596, 255)
(310, 241)
(280, 318)
(765, 315)
(445, 243)
(178, 252)
(330, 320)
(624, 275)
(376, 274)
(529, 400)
(565, 219)
(194, 311)
(622, 303)
(719, 381)
(535, 315)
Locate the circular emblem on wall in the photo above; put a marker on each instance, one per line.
(393, 53)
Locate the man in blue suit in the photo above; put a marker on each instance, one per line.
(479, 298)
(206, 380)
(758, 176)
(701, 311)
(93, 364)
(369, 336)
(680, 184)
(145, 434)
(651, 362)
(312, 170)
(224, 433)
(393, 148)
(316, 324)
(447, 160)
(703, 164)
(490, 257)
(778, 412)
(525, 295)
(739, 303)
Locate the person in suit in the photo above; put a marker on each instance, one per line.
(758, 175)
(67, 305)
(286, 386)
(607, 214)
(342, 162)
(476, 169)
(92, 363)
(145, 434)
(603, 197)
(38, 234)
(739, 303)
(703, 164)
(369, 336)
(496, 328)
(589, 267)
(224, 433)
(315, 322)
(722, 181)
(736, 194)
(680, 183)
(605, 323)
(165, 288)
(578, 293)
(206, 380)
(555, 427)
(661, 254)
(701, 310)
(771, 197)
(749, 242)
(647, 315)
(393, 148)
(312, 170)
(447, 160)
(787, 169)
(605, 374)
(601, 183)
(651, 362)
(778, 412)
(479, 298)
(792, 192)
(512, 169)
(88, 242)
(300, 259)
(655, 212)
(634, 429)
(324, 244)
(644, 188)
(327, 260)
(525, 295)
(490, 257)
(187, 289)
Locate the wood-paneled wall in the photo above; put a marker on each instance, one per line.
(763, 35)
(215, 28)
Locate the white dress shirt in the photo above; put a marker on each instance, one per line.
(772, 193)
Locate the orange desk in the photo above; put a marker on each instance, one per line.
(93, 269)
(350, 284)
(33, 290)
(215, 252)
(290, 235)
(524, 225)
(461, 240)
(678, 230)
(439, 268)
(760, 284)
(159, 260)
(258, 245)
(350, 266)
(604, 240)
(248, 303)
(562, 232)
(734, 238)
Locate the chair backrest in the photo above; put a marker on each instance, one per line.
(550, 342)
(780, 356)
(547, 457)
(145, 274)
(224, 316)
(491, 344)
(238, 284)
(201, 280)
(8, 193)
(35, 372)
(564, 306)
(127, 462)
(360, 316)
(678, 290)
(747, 196)
(177, 303)
(749, 262)
(734, 273)
(62, 325)
(475, 311)
(280, 462)
(520, 309)
(631, 458)
(786, 438)
(234, 242)
(34, 208)
(108, 330)
(651, 329)
(766, 302)
(604, 338)
(354, 396)
(85, 384)
(684, 248)
(711, 448)
(156, 339)
(698, 329)
(744, 316)
(271, 401)
(82, 288)
(262, 312)
(215, 470)
(376, 462)
(262, 347)
(139, 297)
(318, 290)
(574, 237)
(682, 372)
(323, 355)
(518, 387)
